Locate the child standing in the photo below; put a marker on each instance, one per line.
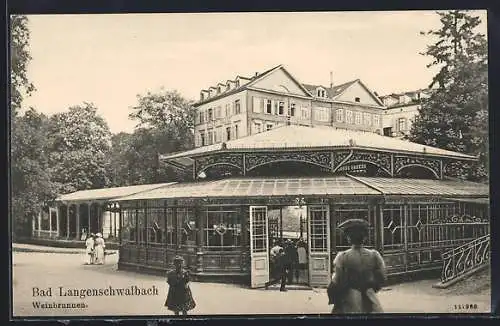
(179, 297)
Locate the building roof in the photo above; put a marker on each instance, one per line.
(258, 187)
(402, 186)
(303, 137)
(109, 193)
(313, 186)
(331, 92)
(237, 89)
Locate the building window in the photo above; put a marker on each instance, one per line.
(269, 107)
(228, 133)
(304, 113)
(186, 227)
(202, 117)
(218, 112)
(222, 228)
(235, 131)
(357, 99)
(237, 108)
(321, 114)
(340, 115)
(218, 135)
(402, 124)
(388, 131)
(281, 107)
(128, 231)
(237, 83)
(367, 118)
(210, 137)
(228, 110)
(155, 225)
(269, 126)
(348, 116)
(219, 90)
(357, 117)
(228, 87)
(320, 92)
(210, 114)
(376, 120)
(202, 139)
(292, 110)
(257, 127)
(202, 97)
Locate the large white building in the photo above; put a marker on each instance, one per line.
(248, 105)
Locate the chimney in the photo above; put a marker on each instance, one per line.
(331, 79)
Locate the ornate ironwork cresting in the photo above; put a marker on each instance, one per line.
(465, 258)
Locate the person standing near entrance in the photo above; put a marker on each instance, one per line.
(359, 273)
(278, 270)
(290, 259)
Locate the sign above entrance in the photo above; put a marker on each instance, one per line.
(353, 168)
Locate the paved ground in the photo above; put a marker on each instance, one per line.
(43, 270)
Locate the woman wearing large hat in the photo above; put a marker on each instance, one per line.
(179, 296)
(359, 273)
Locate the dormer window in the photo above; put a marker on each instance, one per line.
(202, 96)
(218, 90)
(320, 92)
(237, 83)
(357, 99)
(228, 87)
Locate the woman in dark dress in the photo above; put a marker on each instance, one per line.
(179, 297)
(359, 273)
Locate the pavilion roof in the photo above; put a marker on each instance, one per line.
(257, 187)
(314, 186)
(109, 193)
(303, 137)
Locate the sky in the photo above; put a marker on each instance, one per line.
(109, 59)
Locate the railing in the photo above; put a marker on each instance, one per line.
(465, 258)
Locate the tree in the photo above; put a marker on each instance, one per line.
(165, 123)
(19, 58)
(454, 117)
(168, 112)
(80, 143)
(31, 183)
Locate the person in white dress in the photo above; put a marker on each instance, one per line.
(89, 249)
(99, 249)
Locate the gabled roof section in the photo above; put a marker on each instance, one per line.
(331, 92)
(302, 137)
(272, 70)
(251, 82)
(109, 193)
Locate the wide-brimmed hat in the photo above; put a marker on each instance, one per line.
(98, 235)
(354, 225)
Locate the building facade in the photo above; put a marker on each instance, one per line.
(247, 106)
(401, 111)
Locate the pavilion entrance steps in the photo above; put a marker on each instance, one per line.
(463, 262)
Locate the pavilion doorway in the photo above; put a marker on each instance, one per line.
(306, 229)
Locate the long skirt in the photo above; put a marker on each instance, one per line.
(99, 255)
(179, 298)
(354, 302)
(89, 256)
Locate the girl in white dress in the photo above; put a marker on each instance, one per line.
(89, 249)
(99, 249)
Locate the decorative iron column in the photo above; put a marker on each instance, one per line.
(201, 237)
(77, 226)
(67, 221)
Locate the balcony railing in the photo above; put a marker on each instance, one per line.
(465, 258)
